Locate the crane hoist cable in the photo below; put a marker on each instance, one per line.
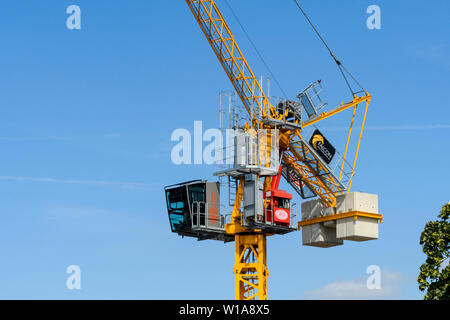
(341, 67)
(256, 49)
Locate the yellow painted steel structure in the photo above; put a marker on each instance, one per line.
(337, 216)
(250, 245)
(250, 269)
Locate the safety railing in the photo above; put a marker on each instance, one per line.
(269, 220)
(206, 216)
(248, 151)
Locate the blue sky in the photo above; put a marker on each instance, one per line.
(85, 123)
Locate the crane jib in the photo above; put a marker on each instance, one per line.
(230, 56)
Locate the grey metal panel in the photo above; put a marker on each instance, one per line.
(253, 197)
(240, 152)
(308, 105)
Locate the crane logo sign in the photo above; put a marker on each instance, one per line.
(324, 148)
(282, 215)
(317, 138)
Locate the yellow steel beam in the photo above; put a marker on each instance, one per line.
(235, 226)
(342, 107)
(348, 142)
(359, 143)
(337, 216)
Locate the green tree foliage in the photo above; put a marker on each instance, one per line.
(434, 276)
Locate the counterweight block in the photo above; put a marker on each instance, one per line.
(354, 218)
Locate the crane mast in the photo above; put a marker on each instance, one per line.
(301, 166)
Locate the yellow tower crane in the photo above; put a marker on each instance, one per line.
(302, 166)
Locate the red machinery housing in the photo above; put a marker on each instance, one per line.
(278, 203)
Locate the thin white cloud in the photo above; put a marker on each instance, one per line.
(71, 181)
(60, 138)
(356, 289)
(434, 53)
(410, 127)
(95, 220)
(396, 128)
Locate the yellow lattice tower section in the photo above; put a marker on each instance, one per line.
(250, 267)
